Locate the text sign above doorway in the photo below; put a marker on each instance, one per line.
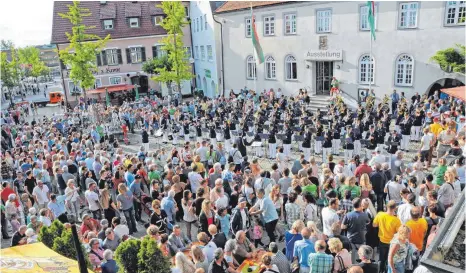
(324, 55)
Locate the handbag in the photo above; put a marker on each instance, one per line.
(343, 269)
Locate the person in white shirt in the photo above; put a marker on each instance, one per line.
(93, 200)
(195, 179)
(45, 217)
(41, 194)
(202, 152)
(330, 215)
(378, 158)
(208, 247)
(119, 227)
(404, 210)
(71, 197)
(222, 201)
(394, 188)
(426, 142)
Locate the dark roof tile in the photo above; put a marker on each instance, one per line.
(132, 9)
(121, 29)
(108, 11)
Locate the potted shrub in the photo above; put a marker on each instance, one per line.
(126, 255)
(151, 259)
(48, 234)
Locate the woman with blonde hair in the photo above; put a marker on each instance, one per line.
(366, 187)
(277, 200)
(350, 184)
(200, 260)
(446, 193)
(316, 234)
(291, 236)
(207, 216)
(200, 165)
(125, 204)
(342, 258)
(107, 204)
(399, 248)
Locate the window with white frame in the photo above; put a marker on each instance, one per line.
(202, 53)
(455, 13)
(364, 17)
(98, 82)
(290, 23)
(408, 15)
(112, 56)
(404, 70)
(187, 52)
(324, 20)
(250, 68)
(201, 24)
(158, 20)
(269, 25)
(366, 69)
(270, 68)
(108, 24)
(205, 21)
(197, 24)
(134, 22)
(210, 56)
(196, 52)
(136, 54)
(114, 80)
(291, 68)
(248, 26)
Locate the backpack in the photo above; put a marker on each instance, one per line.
(230, 157)
(220, 158)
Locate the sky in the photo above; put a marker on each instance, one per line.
(26, 22)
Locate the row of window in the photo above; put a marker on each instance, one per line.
(134, 55)
(404, 68)
(132, 22)
(199, 24)
(455, 14)
(200, 53)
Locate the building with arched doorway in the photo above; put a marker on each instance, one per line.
(306, 44)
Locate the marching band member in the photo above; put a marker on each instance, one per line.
(405, 126)
(327, 145)
(226, 135)
(272, 143)
(307, 144)
(349, 144)
(287, 141)
(380, 135)
(336, 140)
(357, 137)
(393, 138)
(186, 130)
(372, 144)
(319, 137)
(417, 123)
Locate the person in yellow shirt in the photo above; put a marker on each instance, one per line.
(388, 224)
(436, 127)
(418, 226)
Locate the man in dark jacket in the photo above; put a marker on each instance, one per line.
(145, 140)
(218, 238)
(238, 214)
(378, 181)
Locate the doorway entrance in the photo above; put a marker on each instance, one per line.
(142, 81)
(324, 75)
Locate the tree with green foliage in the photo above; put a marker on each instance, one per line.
(10, 73)
(451, 59)
(151, 259)
(173, 23)
(48, 234)
(29, 57)
(126, 255)
(80, 54)
(64, 245)
(6, 44)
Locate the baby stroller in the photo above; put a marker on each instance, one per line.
(146, 206)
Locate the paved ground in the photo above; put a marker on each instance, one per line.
(155, 143)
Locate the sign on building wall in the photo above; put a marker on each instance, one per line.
(324, 55)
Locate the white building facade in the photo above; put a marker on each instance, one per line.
(204, 30)
(307, 43)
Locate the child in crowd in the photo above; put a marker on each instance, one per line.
(257, 233)
(224, 219)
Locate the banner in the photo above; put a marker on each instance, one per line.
(35, 258)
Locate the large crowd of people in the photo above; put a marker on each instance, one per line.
(255, 177)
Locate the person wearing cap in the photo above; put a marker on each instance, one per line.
(240, 219)
(371, 138)
(395, 140)
(388, 224)
(405, 126)
(219, 264)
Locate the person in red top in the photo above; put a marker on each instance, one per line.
(6, 191)
(124, 127)
(90, 224)
(363, 168)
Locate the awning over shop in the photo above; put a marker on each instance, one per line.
(35, 258)
(111, 88)
(458, 92)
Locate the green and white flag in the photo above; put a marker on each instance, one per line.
(255, 40)
(370, 17)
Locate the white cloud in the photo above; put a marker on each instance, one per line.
(26, 22)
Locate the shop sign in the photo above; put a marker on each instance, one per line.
(324, 55)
